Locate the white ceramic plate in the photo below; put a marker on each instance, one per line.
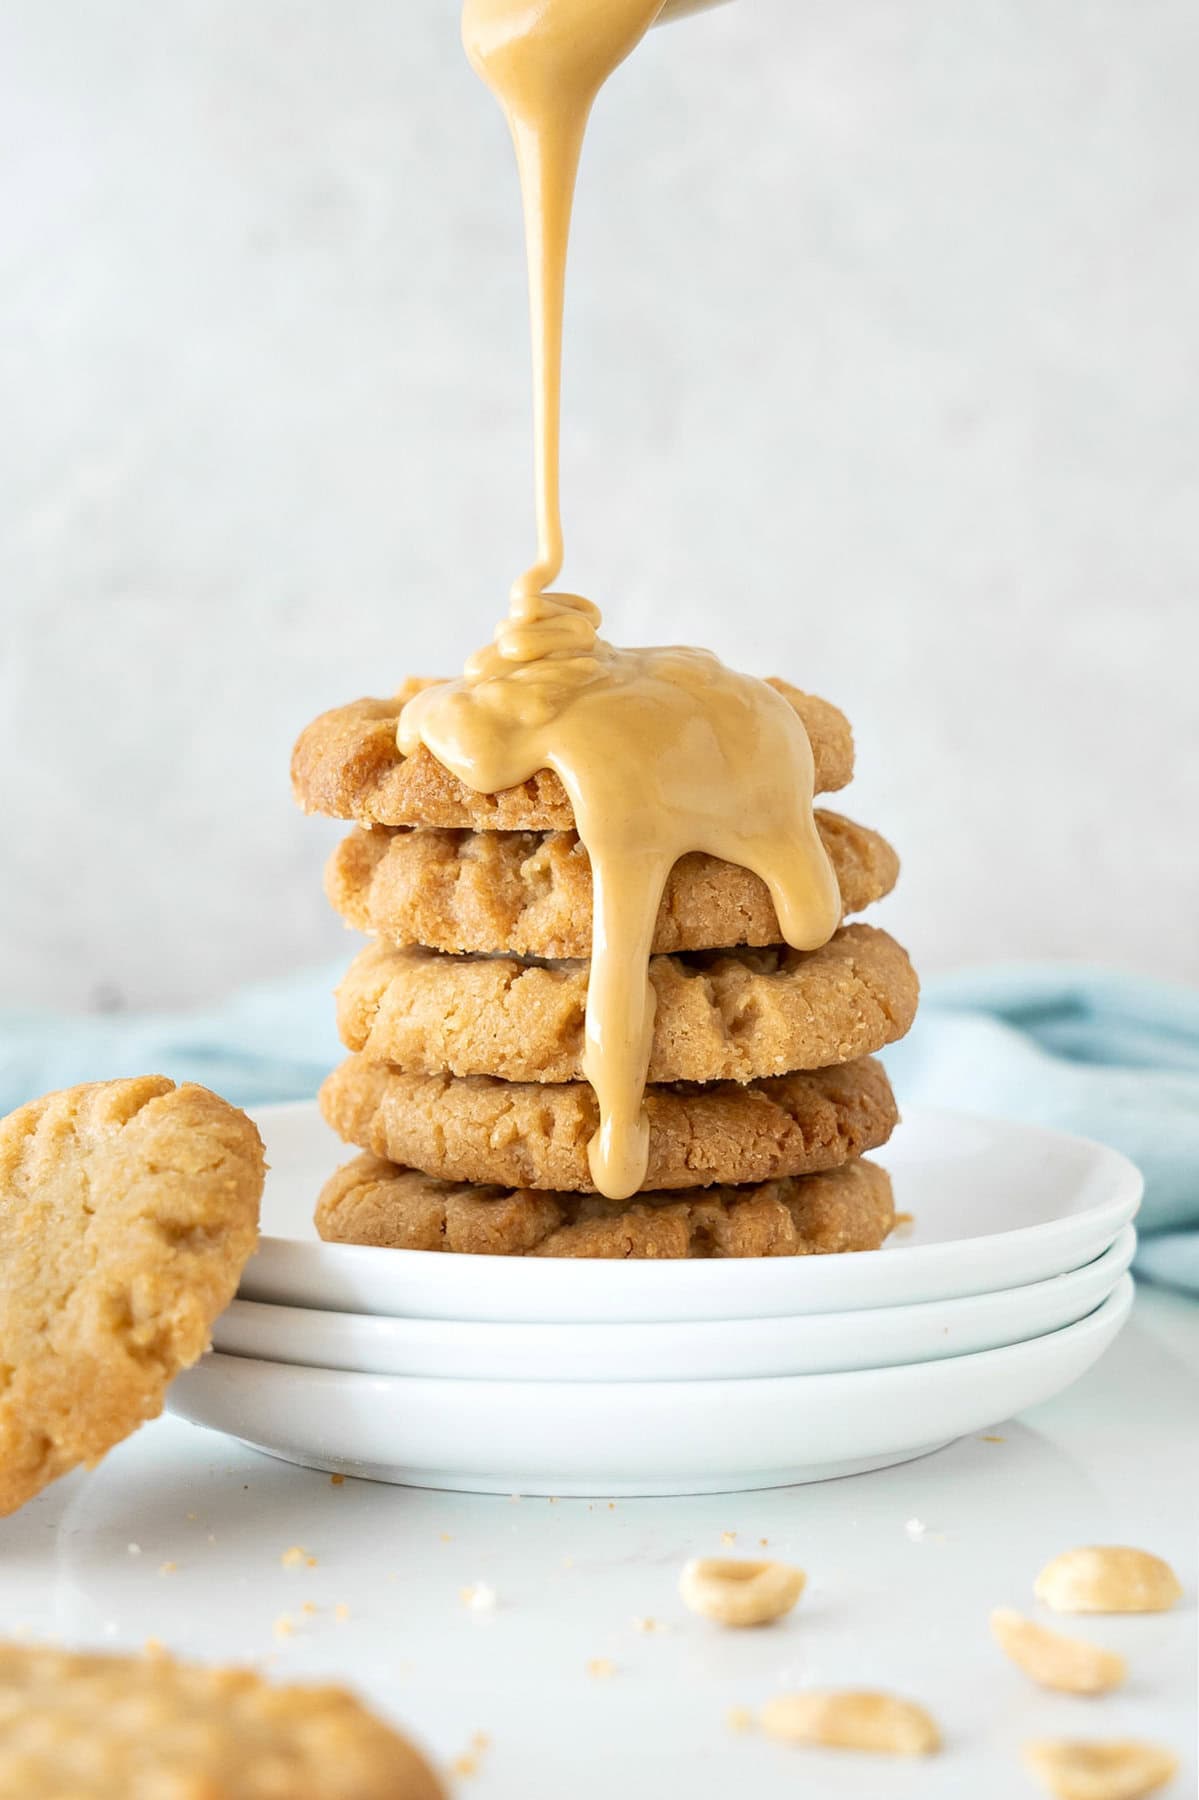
(634, 1437)
(687, 1350)
(996, 1205)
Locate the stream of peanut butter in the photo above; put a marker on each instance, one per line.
(661, 751)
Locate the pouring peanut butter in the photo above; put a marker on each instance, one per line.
(661, 751)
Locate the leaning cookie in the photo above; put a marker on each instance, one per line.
(524, 1134)
(80, 1727)
(375, 1202)
(347, 764)
(127, 1212)
(733, 1015)
(529, 892)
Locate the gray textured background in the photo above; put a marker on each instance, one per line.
(881, 374)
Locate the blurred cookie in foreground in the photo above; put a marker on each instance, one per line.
(127, 1212)
(80, 1727)
(371, 1201)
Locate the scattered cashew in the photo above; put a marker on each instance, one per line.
(1108, 1578)
(848, 1720)
(1070, 1664)
(1120, 1769)
(735, 1592)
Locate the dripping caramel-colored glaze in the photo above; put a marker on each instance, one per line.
(662, 751)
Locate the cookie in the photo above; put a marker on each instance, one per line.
(530, 892)
(721, 1015)
(79, 1727)
(127, 1210)
(374, 1202)
(347, 764)
(524, 1134)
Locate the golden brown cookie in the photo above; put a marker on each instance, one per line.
(347, 764)
(529, 892)
(730, 1015)
(374, 1202)
(523, 1134)
(127, 1211)
(78, 1727)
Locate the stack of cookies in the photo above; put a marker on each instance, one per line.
(464, 1018)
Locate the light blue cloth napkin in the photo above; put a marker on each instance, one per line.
(273, 1041)
(1109, 1056)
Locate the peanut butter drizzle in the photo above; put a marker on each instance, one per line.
(661, 751)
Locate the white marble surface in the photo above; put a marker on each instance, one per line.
(180, 1533)
(890, 309)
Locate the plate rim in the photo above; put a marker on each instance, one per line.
(1111, 1312)
(1118, 1210)
(1121, 1250)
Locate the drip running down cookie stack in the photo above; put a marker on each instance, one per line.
(464, 1020)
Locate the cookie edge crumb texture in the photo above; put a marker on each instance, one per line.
(174, 1177)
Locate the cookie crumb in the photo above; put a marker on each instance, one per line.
(283, 1626)
(728, 1537)
(446, 1537)
(341, 1612)
(468, 1762)
(739, 1718)
(337, 1480)
(168, 1568)
(601, 1668)
(297, 1555)
(763, 1542)
(309, 1607)
(991, 1437)
(646, 1625)
(191, 1518)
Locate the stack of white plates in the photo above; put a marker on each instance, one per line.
(524, 1375)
